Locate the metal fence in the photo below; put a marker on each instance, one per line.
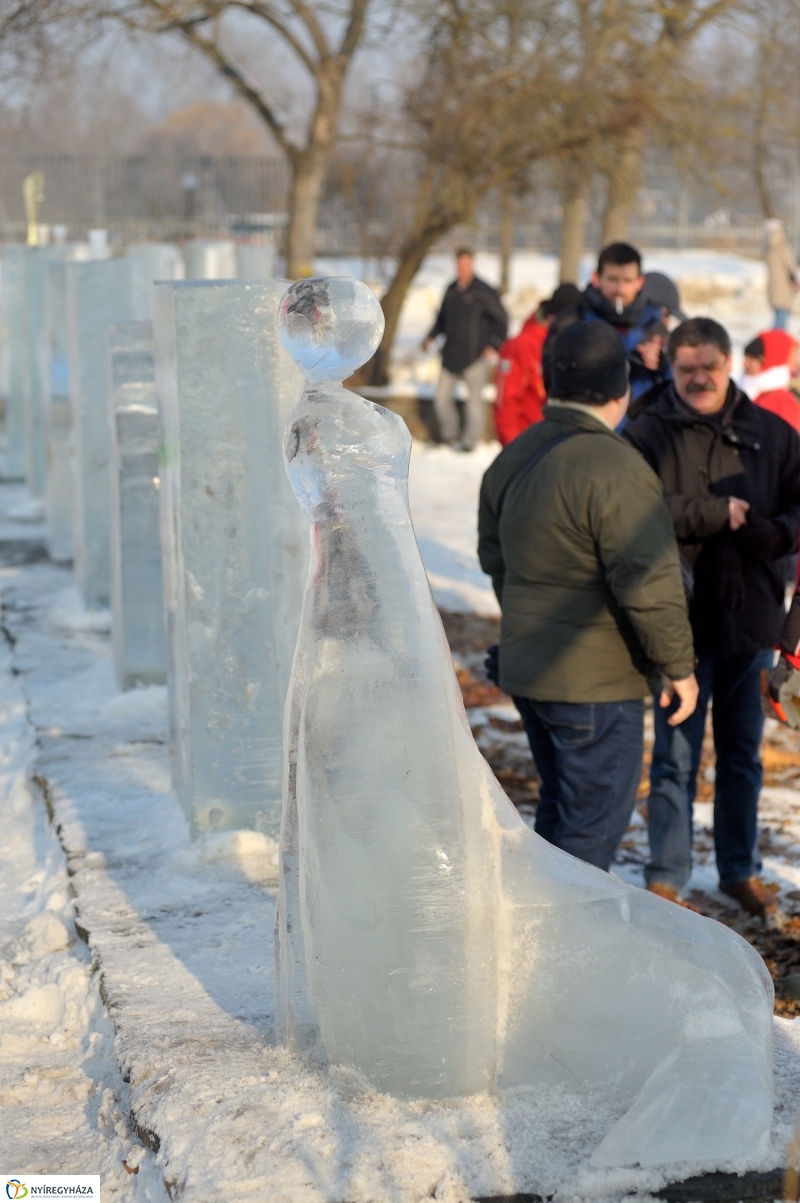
(158, 197)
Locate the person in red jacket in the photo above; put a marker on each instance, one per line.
(770, 362)
(518, 380)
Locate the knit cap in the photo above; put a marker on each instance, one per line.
(589, 357)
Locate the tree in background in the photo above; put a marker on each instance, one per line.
(321, 40)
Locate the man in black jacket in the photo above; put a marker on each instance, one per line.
(474, 324)
(731, 478)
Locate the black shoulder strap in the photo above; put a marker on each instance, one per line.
(530, 464)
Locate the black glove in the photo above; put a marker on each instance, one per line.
(729, 573)
(760, 539)
(492, 663)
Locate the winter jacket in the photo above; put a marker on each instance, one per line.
(781, 271)
(632, 324)
(471, 319)
(518, 381)
(784, 403)
(583, 559)
(743, 451)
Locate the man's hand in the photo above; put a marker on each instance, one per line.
(737, 512)
(650, 352)
(687, 691)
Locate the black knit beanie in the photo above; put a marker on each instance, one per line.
(589, 357)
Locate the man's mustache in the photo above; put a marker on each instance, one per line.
(699, 388)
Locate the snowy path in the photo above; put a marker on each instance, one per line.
(180, 935)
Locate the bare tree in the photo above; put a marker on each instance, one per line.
(659, 34)
(477, 115)
(321, 39)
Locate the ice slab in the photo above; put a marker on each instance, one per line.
(12, 333)
(58, 496)
(234, 546)
(99, 294)
(426, 936)
(37, 374)
(137, 600)
(255, 261)
(211, 259)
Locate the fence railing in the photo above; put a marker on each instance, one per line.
(147, 196)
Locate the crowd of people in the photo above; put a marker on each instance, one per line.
(640, 527)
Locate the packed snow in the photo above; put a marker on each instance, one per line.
(181, 941)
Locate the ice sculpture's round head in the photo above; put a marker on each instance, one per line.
(330, 326)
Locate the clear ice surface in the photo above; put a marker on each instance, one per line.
(137, 595)
(211, 259)
(37, 375)
(12, 335)
(100, 293)
(425, 935)
(235, 546)
(58, 497)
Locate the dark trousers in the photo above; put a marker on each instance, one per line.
(734, 682)
(589, 757)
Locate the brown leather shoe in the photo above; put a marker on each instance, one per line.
(670, 894)
(753, 896)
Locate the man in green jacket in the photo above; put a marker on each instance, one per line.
(580, 546)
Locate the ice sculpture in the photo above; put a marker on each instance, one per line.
(99, 294)
(211, 259)
(234, 546)
(137, 595)
(254, 260)
(425, 935)
(12, 324)
(58, 499)
(37, 383)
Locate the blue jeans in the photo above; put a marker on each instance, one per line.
(781, 319)
(589, 757)
(735, 684)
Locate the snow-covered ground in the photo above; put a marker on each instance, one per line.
(152, 1046)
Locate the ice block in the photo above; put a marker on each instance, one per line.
(137, 596)
(425, 935)
(211, 259)
(99, 294)
(58, 497)
(13, 325)
(234, 544)
(255, 261)
(37, 377)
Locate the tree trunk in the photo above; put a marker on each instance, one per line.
(506, 243)
(623, 183)
(575, 210)
(376, 372)
(308, 177)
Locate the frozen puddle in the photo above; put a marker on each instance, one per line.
(177, 1073)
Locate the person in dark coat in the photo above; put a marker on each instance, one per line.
(617, 295)
(474, 324)
(731, 478)
(574, 532)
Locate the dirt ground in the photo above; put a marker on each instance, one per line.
(499, 735)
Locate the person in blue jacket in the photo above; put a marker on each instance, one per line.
(617, 295)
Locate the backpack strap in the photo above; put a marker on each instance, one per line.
(530, 464)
